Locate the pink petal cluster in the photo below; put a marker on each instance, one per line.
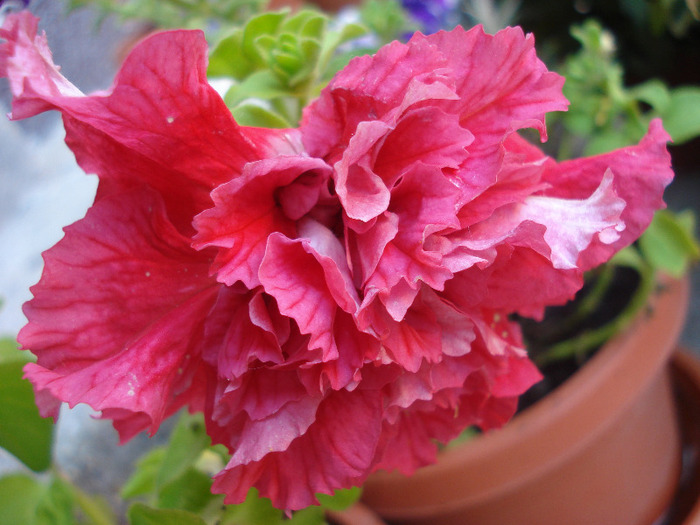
(334, 298)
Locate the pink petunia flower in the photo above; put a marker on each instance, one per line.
(335, 298)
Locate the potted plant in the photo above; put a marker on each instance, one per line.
(588, 439)
(326, 303)
(605, 447)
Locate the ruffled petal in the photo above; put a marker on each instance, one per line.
(331, 454)
(275, 432)
(311, 288)
(360, 269)
(161, 123)
(502, 87)
(97, 345)
(27, 62)
(569, 225)
(409, 442)
(538, 246)
(370, 88)
(259, 393)
(362, 192)
(416, 338)
(291, 275)
(243, 330)
(425, 204)
(382, 151)
(640, 174)
(425, 135)
(499, 79)
(518, 280)
(246, 213)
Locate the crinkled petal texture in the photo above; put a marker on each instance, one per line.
(118, 316)
(134, 352)
(334, 298)
(161, 124)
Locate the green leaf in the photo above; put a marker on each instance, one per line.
(309, 516)
(19, 496)
(95, 509)
(227, 59)
(630, 257)
(9, 351)
(282, 58)
(341, 500)
(191, 492)
(386, 18)
(682, 117)
(254, 115)
(143, 480)
(331, 42)
(669, 243)
(264, 24)
(607, 140)
(263, 85)
(188, 440)
(23, 432)
(27, 501)
(299, 22)
(314, 27)
(56, 504)
(654, 92)
(253, 511)
(140, 514)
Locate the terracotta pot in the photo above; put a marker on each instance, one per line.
(334, 5)
(330, 6)
(604, 448)
(685, 509)
(357, 514)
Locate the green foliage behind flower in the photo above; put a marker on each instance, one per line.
(176, 13)
(23, 432)
(278, 62)
(605, 114)
(173, 482)
(39, 495)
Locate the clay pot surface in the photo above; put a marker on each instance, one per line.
(604, 448)
(330, 6)
(357, 514)
(685, 509)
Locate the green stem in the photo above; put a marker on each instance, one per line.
(582, 343)
(592, 300)
(96, 513)
(181, 4)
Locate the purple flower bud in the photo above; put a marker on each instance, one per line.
(16, 4)
(432, 15)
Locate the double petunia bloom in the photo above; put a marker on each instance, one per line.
(334, 298)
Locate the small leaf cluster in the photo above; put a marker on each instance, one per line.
(40, 495)
(278, 63)
(604, 113)
(173, 486)
(668, 246)
(389, 20)
(168, 14)
(657, 16)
